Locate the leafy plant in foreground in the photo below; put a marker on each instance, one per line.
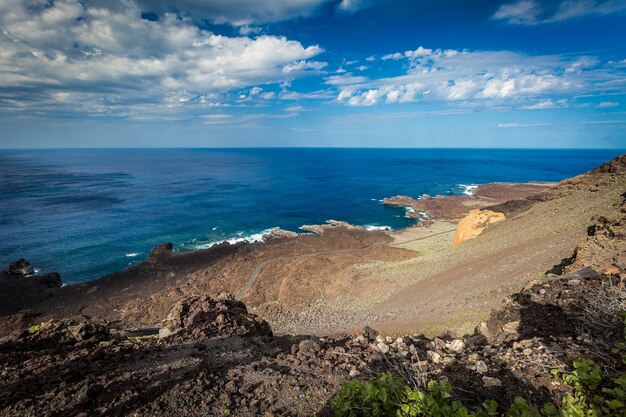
(388, 396)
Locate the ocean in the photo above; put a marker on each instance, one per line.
(85, 213)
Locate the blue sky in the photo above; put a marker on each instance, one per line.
(348, 73)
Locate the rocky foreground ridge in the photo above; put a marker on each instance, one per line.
(211, 356)
(215, 358)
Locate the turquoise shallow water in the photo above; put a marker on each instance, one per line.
(85, 213)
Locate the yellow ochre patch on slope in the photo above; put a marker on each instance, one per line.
(474, 223)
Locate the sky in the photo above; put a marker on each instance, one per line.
(315, 73)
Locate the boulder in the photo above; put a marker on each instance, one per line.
(51, 280)
(21, 267)
(160, 251)
(197, 317)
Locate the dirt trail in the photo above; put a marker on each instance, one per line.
(257, 270)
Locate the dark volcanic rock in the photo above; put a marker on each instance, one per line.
(21, 267)
(51, 279)
(221, 359)
(160, 252)
(201, 317)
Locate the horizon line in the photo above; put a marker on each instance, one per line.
(300, 147)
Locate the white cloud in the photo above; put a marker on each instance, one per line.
(345, 79)
(315, 95)
(524, 12)
(488, 77)
(255, 91)
(520, 125)
(547, 104)
(303, 65)
(353, 6)
(607, 105)
(249, 30)
(532, 12)
(112, 59)
(394, 56)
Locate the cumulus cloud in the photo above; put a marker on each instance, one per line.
(483, 76)
(533, 12)
(96, 59)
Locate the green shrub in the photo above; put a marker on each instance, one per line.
(387, 396)
(35, 328)
(380, 397)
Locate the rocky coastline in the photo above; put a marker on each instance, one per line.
(175, 335)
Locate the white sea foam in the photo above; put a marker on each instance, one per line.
(215, 228)
(37, 270)
(253, 238)
(468, 189)
(373, 228)
(132, 254)
(409, 209)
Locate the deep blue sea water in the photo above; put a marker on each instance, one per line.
(85, 213)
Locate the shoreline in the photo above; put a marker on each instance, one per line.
(420, 217)
(344, 276)
(230, 266)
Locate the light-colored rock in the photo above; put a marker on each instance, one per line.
(511, 327)
(404, 354)
(330, 224)
(481, 367)
(165, 332)
(434, 357)
(491, 382)
(382, 347)
(526, 342)
(276, 234)
(456, 346)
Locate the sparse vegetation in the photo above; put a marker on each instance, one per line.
(35, 328)
(388, 396)
(592, 395)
